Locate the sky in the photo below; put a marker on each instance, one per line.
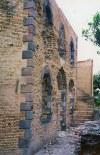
(79, 13)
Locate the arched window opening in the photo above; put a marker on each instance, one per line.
(46, 98)
(72, 53)
(71, 85)
(46, 92)
(48, 12)
(62, 32)
(61, 42)
(72, 97)
(61, 79)
(62, 86)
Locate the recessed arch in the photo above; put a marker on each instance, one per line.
(62, 31)
(72, 97)
(48, 12)
(61, 79)
(72, 52)
(46, 95)
(62, 86)
(61, 41)
(46, 87)
(71, 84)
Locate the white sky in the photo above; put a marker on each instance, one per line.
(79, 13)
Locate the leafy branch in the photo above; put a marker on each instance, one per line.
(92, 32)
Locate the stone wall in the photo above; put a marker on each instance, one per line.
(85, 77)
(28, 48)
(11, 45)
(84, 90)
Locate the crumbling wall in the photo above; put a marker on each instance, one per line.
(29, 39)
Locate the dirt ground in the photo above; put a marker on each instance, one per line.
(66, 144)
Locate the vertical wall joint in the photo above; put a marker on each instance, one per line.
(27, 73)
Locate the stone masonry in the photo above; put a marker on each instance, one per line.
(38, 60)
(84, 90)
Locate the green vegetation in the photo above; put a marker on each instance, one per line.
(96, 88)
(92, 32)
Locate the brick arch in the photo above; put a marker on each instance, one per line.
(48, 12)
(61, 42)
(61, 80)
(72, 52)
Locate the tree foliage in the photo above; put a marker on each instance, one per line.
(96, 88)
(92, 32)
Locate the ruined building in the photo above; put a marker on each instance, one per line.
(38, 60)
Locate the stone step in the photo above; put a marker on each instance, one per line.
(83, 111)
(83, 114)
(84, 108)
(83, 120)
(79, 119)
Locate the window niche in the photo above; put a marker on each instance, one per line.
(72, 96)
(61, 79)
(62, 86)
(72, 53)
(48, 12)
(46, 97)
(61, 42)
(71, 85)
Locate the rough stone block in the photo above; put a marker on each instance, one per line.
(32, 13)
(29, 115)
(29, 4)
(25, 124)
(29, 80)
(27, 71)
(26, 88)
(32, 29)
(28, 21)
(28, 106)
(23, 143)
(29, 97)
(28, 54)
(30, 63)
(28, 134)
(28, 37)
(31, 46)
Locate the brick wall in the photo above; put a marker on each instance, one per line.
(11, 45)
(21, 72)
(85, 76)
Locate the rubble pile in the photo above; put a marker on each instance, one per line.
(66, 144)
(89, 132)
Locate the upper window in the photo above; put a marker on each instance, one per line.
(61, 42)
(61, 79)
(48, 12)
(72, 52)
(71, 85)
